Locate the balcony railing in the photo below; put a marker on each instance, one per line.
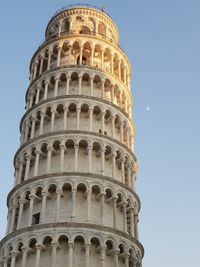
(79, 5)
(53, 36)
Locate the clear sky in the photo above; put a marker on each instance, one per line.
(162, 41)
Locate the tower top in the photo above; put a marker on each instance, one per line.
(87, 15)
(78, 5)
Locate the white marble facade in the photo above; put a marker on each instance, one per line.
(73, 203)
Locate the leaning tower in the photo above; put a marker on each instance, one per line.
(73, 203)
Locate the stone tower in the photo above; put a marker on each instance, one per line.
(74, 203)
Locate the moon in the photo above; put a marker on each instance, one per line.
(148, 108)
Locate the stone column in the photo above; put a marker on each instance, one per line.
(24, 256)
(26, 131)
(55, 246)
(102, 208)
(128, 137)
(113, 125)
(49, 154)
(87, 255)
(56, 86)
(114, 212)
(8, 220)
(113, 164)
(126, 257)
(89, 150)
(79, 84)
(102, 58)
(129, 175)
(38, 254)
(35, 70)
(122, 171)
(33, 127)
(88, 206)
(27, 169)
(116, 259)
(132, 222)
(19, 178)
(53, 112)
(91, 85)
(78, 118)
(81, 55)
(119, 69)
(67, 85)
(90, 118)
(46, 89)
(112, 93)
(124, 218)
(37, 95)
(120, 98)
(65, 118)
(5, 262)
(103, 256)
(44, 203)
(111, 63)
(41, 64)
(75, 158)
(31, 100)
(31, 204)
(62, 156)
(102, 88)
(69, 55)
(73, 216)
(125, 75)
(59, 56)
(22, 202)
(13, 258)
(92, 56)
(49, 60)
(126, 104)
(103, 161)
(42, 122)
(136, 226)
(12, 222)
(16, 174)
(58, 192)
(71, 250)
(37, 159)
(102, 121)
(121, 132)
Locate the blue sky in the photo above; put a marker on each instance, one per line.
(162, 41)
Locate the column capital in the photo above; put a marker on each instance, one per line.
(39, 246)
(88, 245)
(62, 146)
(47, 81)
(74, 190)
(55, 245)
(49, 52)
(65, 108)
(25, 249)
(37, 151)
(80, 75)
(32, 197)
(13, 254)
(44, 193)
(71, 245)
(22, 201)
(50, 148)
(58, 191)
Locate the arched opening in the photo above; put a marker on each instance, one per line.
(102, 30)
(65, 27)
(85, 30)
